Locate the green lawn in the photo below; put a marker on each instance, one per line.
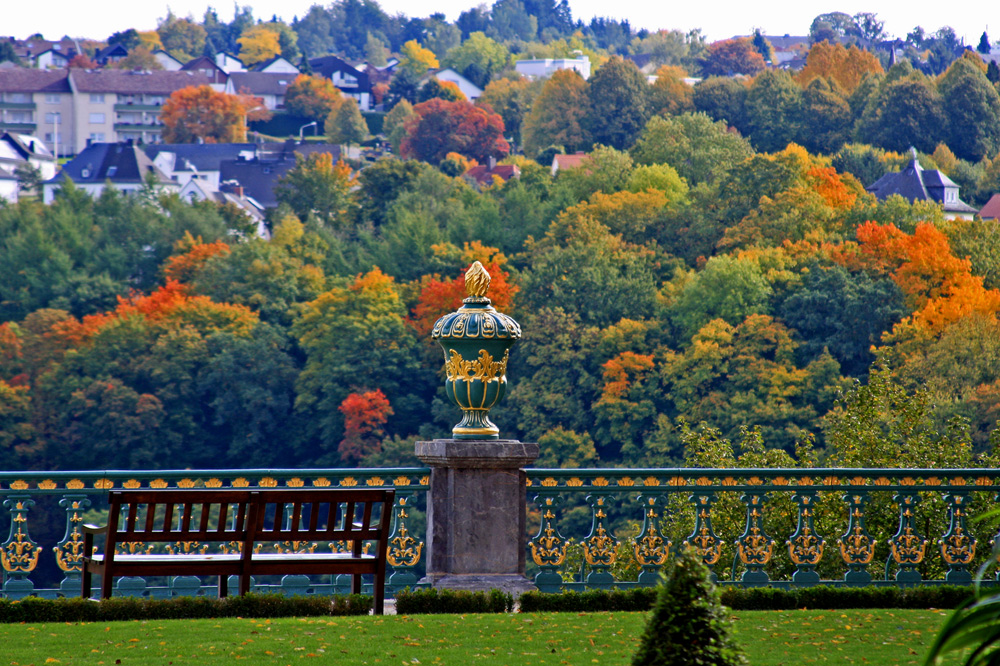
(769, 637)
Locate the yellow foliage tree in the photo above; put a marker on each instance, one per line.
(416, 58)
(258, 43)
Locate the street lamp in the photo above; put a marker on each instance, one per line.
(312, 124)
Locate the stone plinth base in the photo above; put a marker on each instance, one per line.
(475, 513)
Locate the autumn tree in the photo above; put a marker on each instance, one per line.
(364, 415)
(732, 56)
(257, 44)
(140, 58)
(670, 94)
(446, 90)
(439, 127)
(82, 61)
(512, 99)
(619, 103)
(317, 186)
(311, 96)
(846, 66)
(200, 113)
(394, 124)
(557, 115)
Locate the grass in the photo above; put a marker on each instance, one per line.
(771, 638)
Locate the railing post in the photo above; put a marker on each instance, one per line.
(857, 547)
(958, 547)
(651, 547)
(703, 539)
(69, 551)
(907, 547)
(600, 548)
(548, 547)
(19, 554)
(404, 550)
(754, 547)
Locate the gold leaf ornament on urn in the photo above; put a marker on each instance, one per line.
(476, 340)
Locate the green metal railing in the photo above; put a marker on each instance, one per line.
(74, 493)
(761, 526)
(751, 526)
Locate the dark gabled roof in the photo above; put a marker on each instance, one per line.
(116, 50)
(27, 80)
(200, 156)
(135, 82)
(261, 83)
(328, 65)
(201, 62)
(27, 146)
(258, 177)
(914, 183)
(117, 162)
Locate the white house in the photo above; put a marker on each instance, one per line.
(468, 88)
(8, 186)
(123, 166)
(545, 67)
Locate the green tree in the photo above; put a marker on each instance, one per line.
(727, 288)
(182, 38)
(619, 103)
(906, 112)
(688, 623)
(558, 114)
(394, 124)
(972, 106)
(773, 108)
(512, 99)
(510, 22)
(825, 121)
(691, 143)
(346, 125)
(478, 58)
(317, 186)
(722, 98)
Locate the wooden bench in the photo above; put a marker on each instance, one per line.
(241, 524)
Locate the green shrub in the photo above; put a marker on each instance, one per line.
(689, 624)
(75, 609)
(432, 600)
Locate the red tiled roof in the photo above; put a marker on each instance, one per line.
(483, 175)
(991, 211)
(261, 83)
(569, 161)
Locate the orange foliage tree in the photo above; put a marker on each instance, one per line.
(200, 113)
(194, 253)
(364, 415)
(313, 97)
(846, 66)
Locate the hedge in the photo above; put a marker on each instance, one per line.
(432, 601)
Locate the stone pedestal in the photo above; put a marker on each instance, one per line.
(476, 513)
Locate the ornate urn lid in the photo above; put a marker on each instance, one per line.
(477, 319)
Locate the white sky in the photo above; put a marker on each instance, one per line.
(718, 20)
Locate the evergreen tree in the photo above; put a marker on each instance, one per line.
(619, 103)
(993, 72)
(688, 624)
(984, 44)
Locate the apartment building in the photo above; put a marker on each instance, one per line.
(69, 108)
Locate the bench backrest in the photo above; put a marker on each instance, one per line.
(179, 515)
(349, 515)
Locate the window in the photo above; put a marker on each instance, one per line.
(53, 117)
(53, 98)
(97, 136)
(18, 98)
(97, 98)
(97, 119)
(19, 117)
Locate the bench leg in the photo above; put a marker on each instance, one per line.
(244, 583)
(379, 590)
(87, 583)
(223, 586)
(106, 580)
(356, 584)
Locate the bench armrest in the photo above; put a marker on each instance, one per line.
(94, 529)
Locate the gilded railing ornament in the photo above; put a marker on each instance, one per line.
(907, 547)
(19, 554)
(754, 547)
(857, 547)
(476, 340)
(600, 547)
(404, 550)
(805, 547)
(69, 550)
(958, 547)
(548, 547)
(651, 547)
(703, 539)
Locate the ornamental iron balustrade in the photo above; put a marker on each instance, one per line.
(751, 526)
(74, 493)
(835, 526)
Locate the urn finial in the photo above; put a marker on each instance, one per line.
(476, 340)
